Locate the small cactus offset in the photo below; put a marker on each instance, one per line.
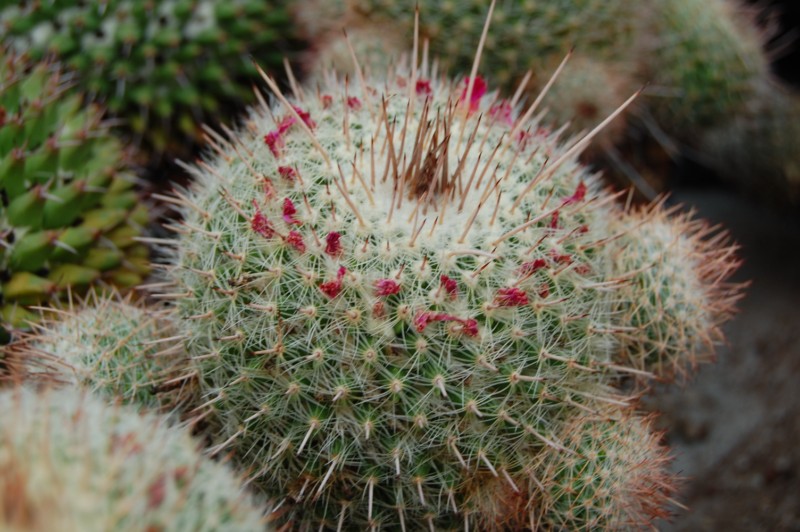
(70, 461)
(675, 292)
(69, 213)
(399, 292)
(163, 66)
(113, 346)
(614, 479)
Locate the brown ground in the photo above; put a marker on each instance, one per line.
(735, 429)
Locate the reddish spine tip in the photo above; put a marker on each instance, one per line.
(333, 246)
(295, 240)
(450, 286)
(386, 287)
(511, 297)
(289, 211)
(287, 172)
(260, 224)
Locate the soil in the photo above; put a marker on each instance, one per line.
(735, 428)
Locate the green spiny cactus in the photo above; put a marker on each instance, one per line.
(675, 293)
(71, 462)
(614, 480)
(69, 214)
(396, 302)
(163, 66)
(119, 348)
(705, 57)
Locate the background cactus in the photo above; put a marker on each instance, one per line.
(705, 60)
(69, 214)
(758, 149)
(395, 303)
(165, 66)
(115, 347)
(704, 63)
(71, 462)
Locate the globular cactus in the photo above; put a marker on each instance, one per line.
(69, 213)
(398, 293)
(117, 347)
(164, 66)
(674, 291)
(614, 479)
(72, 462)
(705, 60)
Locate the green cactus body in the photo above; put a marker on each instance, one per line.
(162, 66)
(618, 463)
(69, 213)
(705, 58)
(115, 347)
(677, 295)
(395, 304)
(72, 462)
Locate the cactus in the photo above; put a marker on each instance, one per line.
(69, 214)
(706, 58)
(396, 304)
(113, 346)
(614, 480)
(162, 66)
(675, 294)
(758, 150)
(532, 33)
(71, 462)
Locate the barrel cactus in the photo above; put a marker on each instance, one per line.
(119, 348)
(69, 213)
(164, 67)
(72, 462)
(399, 291)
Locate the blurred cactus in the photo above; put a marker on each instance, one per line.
(759, 149)
(71, 462)
(69, 214)
(115, 347)
(164, 66)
